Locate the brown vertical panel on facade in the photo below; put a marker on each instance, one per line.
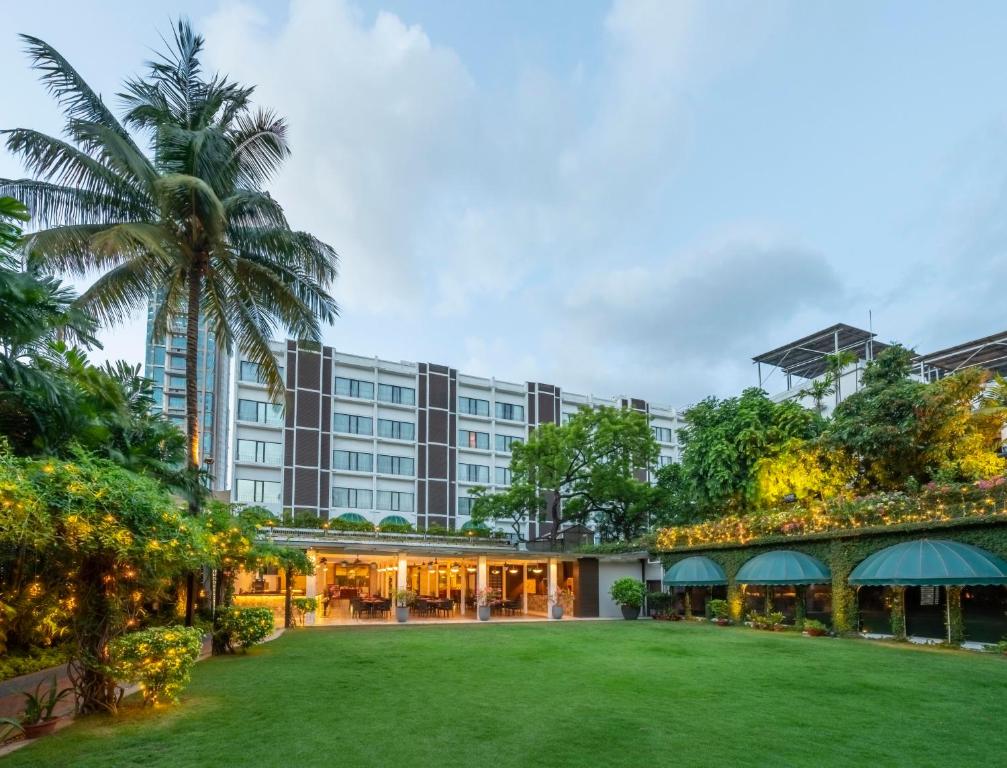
(325, 425)
(452, 505)
(585, 588)
(306, 447)
(288, 487)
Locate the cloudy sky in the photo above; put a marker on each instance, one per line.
(617, 197)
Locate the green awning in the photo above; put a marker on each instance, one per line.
(930, 562)
(783, 566)
(394, 520)
(352, 517)
(696, 571)
(474, 526)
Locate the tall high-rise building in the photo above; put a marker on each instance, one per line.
(165, 365)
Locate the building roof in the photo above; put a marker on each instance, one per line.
(806, 357)
(989, 352)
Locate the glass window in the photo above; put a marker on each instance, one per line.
(510, 412)
(502, 476)
(157, 376)
(567, 417)
(352, 498)
(470, 439)
(473, 473)
(176, 402)
(354, 461)
(176, 382)
(250, 372)
(663, 461)
(158, 395)
(397, 430)
(473, 406)
(260, 452)
(395, 465)
(390, 393)
(257, 491)
(176, 361)
(505, 443)
(354, 388)
(395, 501)
(353, 425)
(262, 413)
(157, 358)
(663, 434)
(465, 505)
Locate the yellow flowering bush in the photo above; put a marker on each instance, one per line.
(159, 659)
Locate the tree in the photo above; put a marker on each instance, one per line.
(100, 539)
(190, 225)
(573, 472)
(818, 390)
(724, 441)
(673, 499)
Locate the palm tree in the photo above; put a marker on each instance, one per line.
(818, 390)
(834, 365)
(190, 224)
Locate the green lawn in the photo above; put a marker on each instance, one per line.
(569, 694)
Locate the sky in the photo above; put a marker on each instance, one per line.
(622, 198)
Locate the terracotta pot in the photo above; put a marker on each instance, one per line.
(815, 632)
(723, 622)
(43, 728)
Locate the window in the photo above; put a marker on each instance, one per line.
(395, 501)
(469, 439)
(510, 412)
(251, 372)
(176, 382)
(473, 406)
(176, 361)
(353, 461)
(176, 402)
(257, 411)
(567, 417)
(473, 473)
(502, 476)
(465, 505)
(397, 430)
(354, 388)
(505, 443)
(352, 498)
(664, 434)
(158, 395)
(260, 452)
(157, 356)
(354, 425)
(157, 376)
(663, 461)
(395, 465)
(389, 393)
(258, 491)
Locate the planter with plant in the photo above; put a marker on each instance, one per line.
(720, 612)
(560, 596)
(404, 600)
(305, 607)
(770, 621)
(484, 603)
(10, 729)
(815, 628)
(38, 719)
(628, 593)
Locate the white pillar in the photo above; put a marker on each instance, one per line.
(311, 587)
(402, 580)
(482, 574)
(463, 577)
(553, 586)
(524, 589)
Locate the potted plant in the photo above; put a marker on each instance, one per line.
(815, 628)
(557, 602)
(720, 612)
(628, 593)
(37, 719)
(775, 620)
(305, 606)
(484, 602)
(404, 600)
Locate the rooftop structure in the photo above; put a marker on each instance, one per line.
(989, 352)
(806, 358)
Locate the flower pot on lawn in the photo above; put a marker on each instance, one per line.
(629, 612)
(484, 613)
(402, 613)
(42, 728)
(815, 632)
(557, 611)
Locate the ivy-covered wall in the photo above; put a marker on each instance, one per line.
(842, 552)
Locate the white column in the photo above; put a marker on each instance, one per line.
(553, 586)
(463, 576)
(402, 581)
(524, 589)
(482, 574)
(311, 587)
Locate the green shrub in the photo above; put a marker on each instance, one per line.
(813, 625)
(304, 606)
(627, 591)
(244, 627)
(719, 609)
(36, 659)
(159, 659)
(660, 602)
(397, 528)
(769, 620)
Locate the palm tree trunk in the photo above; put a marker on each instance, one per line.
(192, 417)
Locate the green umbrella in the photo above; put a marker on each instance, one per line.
(696, 571)
(352, 517)
(783, 566)
(394, 520)
(930, 562)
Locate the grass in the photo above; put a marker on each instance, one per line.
(566, 694)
